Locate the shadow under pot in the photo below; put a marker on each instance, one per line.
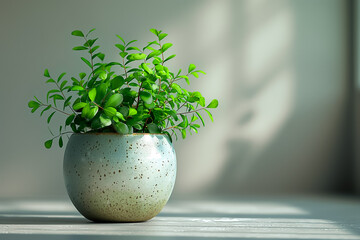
(119, 178)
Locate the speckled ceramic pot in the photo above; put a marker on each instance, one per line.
(119, 178)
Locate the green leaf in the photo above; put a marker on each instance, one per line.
(61, 76)
(132, 111)
(170, 57)
(77, 88)
(121, 39)
(115, 100)
(166, 46)
(146, 68)
(50, 81)
(110, 111)
(93, 111)
(117, 82)
(101, 56)
(50, 116)
(131, 42)
(90, 31)
(120, 46)
(61, 143)
(213, 104)
(176, 87)
(85, 111)
(195, 74)
(121, 128)
(103, 75)
(79, 48)
(94, 49)
(77, 33)
(191, 68)
(46, 73)
(210, 115)
(92, 94)
(133, 48)
(162, 36)
(153, 128)
(82, 75)
(153, 54)
(123, 54)
(154, 31)
(146, 97)
(183, 133)
(63, 85)
(120, 116)
(87, 62)
(69, 119)
(33, 104)
(105, 120)
(79, 105)
(136, 56)
(45, 109)
(48, 143)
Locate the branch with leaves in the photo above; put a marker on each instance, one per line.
(142, 96)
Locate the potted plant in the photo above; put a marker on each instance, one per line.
(119, 163)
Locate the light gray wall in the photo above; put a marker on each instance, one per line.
(278, 68)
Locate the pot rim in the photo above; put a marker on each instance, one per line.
(118, 134)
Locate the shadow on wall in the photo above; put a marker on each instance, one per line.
(281, 126)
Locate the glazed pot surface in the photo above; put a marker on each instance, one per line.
(119, 178)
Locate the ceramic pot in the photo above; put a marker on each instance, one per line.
(119, 178)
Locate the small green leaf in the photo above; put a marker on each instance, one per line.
(120, 116)
(105, 120)
(210, 115)
(146, 97)
(133, 48)
(195, 74)
(101, 56)
(77, 33)
(79, 105)
(154, 31)
(103, 75)
(61, 76)
(136, 56)
(153, 54)
(110, 111)
(117, 82)
(77, 88)
(46, 73)
(153, 128)
(123, 54)
(50, 116)
(121, 128)
(82, 75)
(48, 143)
(183, 133)
(33, 104)
(79, 48)
(162, 36)
(176, 87)
(132, 111)
(69, 119)
(93, 111)
(120, 46)
(115, 100)
(146, 68)
(170, 57)
(50, 81)
(191, 68)
(90, 31)
(213, 104)
(166, 46)
(45, 109)
(87, 62)
(121, 39)
(61, 143)
(92, 94)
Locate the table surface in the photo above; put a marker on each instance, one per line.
(242, 218)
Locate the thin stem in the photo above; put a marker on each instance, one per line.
(64, 97)
(91, 57)
(55, 109)
(191, 111)
(63, 133)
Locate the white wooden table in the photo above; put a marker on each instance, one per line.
(242, 218)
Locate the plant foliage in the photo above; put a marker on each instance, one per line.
(138, 94)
